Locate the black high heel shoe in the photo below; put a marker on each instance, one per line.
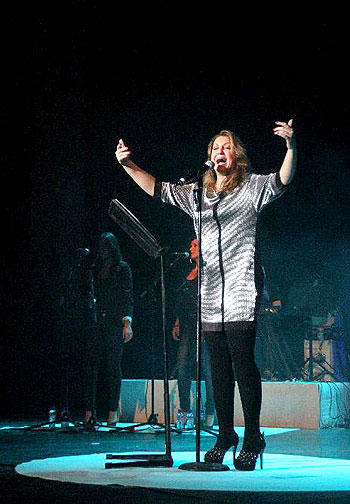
(253, 447)
(90, 422)
(223, 444)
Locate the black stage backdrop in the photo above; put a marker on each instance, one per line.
(78, 77)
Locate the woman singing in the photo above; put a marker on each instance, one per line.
(232, 199)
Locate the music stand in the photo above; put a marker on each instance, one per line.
(133, 227)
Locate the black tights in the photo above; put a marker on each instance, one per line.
(232, 358)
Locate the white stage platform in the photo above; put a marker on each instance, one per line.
(281, 473)
(301, 405)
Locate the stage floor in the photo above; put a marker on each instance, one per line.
(300, 465)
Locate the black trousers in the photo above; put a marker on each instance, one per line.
(232, 359)
(105, 351)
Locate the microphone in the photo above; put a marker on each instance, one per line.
(83, 251)
(208, 165)
(185, 255)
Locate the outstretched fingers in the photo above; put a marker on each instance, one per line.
(284, 130)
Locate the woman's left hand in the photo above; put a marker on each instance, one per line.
(127, 333)
(285, 130)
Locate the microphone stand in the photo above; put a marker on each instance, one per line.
(89, 320)
(76, 303)
(198, 465)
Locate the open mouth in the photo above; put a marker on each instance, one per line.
(221, 161)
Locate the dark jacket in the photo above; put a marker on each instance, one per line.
(114, 294)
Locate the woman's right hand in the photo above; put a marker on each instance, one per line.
(142, 178)
(176, 332)
(122, 153)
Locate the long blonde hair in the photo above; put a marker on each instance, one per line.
(238, 173)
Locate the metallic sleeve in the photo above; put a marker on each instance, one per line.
(179, 196)
(265, 188)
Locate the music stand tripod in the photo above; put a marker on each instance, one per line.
(152, 419)
(133, 227)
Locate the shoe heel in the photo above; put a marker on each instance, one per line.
(234, 449)
(261, 459)
(262, 451)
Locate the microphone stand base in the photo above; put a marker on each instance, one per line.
(139, 460)
(204, 467)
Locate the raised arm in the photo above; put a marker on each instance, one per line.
(287, 170)
(142, 178)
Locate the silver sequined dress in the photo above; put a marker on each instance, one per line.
(230, 267)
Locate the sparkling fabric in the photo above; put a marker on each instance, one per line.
(228, 245)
